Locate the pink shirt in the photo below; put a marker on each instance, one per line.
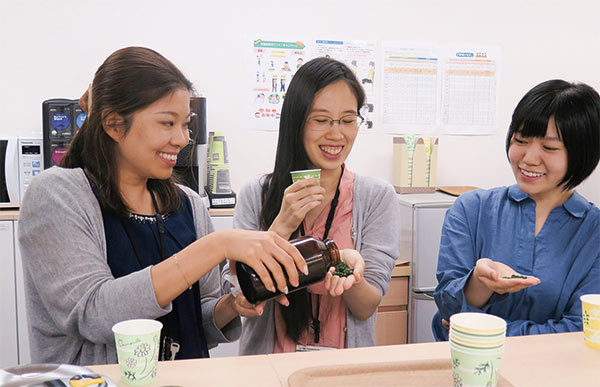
(332, 310)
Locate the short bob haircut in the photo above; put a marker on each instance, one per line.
(576, 111)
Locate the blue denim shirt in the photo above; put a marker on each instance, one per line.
(500, 224)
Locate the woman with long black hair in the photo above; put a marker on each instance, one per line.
(320, 119)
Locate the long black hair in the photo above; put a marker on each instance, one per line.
(312, 77)
(576, 111)
(129, 80)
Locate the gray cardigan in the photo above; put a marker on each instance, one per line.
(376, 235)
(72, 298)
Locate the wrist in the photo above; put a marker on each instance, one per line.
(225, 311)
(228, 301)
(280, 229)
(218, 242)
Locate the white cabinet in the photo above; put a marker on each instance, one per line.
(422, 218)
(22, 330)
(9, 355)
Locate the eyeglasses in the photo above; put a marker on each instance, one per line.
(349, 122)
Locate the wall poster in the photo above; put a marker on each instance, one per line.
(360, 57)
(270, 68)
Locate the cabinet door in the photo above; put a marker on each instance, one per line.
(426, 246)
(22, 329)
(397, 294)
(390, 328)
(391, 323)
(8, 308)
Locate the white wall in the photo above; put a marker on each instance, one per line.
(51, 49)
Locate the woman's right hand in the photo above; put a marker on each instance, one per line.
(265, 252)
(493, 275)
(298, 199)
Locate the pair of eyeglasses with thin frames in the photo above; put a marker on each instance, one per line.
(349, 122)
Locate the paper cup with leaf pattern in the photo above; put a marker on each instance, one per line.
(476, 347)
(475, 368)
(306, 174)
(590, 317)
(138, 344)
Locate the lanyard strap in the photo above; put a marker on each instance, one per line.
(331, 214)
(316, 323)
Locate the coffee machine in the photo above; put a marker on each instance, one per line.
(190, 168)
(61, 118)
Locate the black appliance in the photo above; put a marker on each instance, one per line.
(190, 168)
(61, 118)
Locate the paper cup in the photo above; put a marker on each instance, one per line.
(476, 346)
(475, 369)
(590, 317)
(478, 323)
(306, 174)
(138, 344)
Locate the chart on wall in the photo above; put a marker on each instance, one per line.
(429, 88)
(270, 67)
(360, 57)
(423, 87)
(470, 90)
(410, 91)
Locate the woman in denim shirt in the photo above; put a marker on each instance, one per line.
(540, 229)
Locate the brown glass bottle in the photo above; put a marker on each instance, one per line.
(319, 257)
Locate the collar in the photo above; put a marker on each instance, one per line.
(577, 205)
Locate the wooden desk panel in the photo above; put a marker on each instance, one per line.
(542, 360)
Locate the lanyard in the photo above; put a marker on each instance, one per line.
(330, 215)
(316, 323)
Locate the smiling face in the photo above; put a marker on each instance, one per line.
(157, 133)
(328, 147)
(540, 164)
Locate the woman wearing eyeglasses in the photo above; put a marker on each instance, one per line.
(320, 120)
(109, 236)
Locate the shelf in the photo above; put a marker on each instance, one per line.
(9, 214)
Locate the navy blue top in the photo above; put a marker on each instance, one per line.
(500, 224)
(134, 243)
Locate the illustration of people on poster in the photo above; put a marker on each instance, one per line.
(360, 57)
(272, 66)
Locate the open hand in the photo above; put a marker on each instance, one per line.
(335, 285)
(492, 273)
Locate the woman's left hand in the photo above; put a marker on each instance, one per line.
(335, 285)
